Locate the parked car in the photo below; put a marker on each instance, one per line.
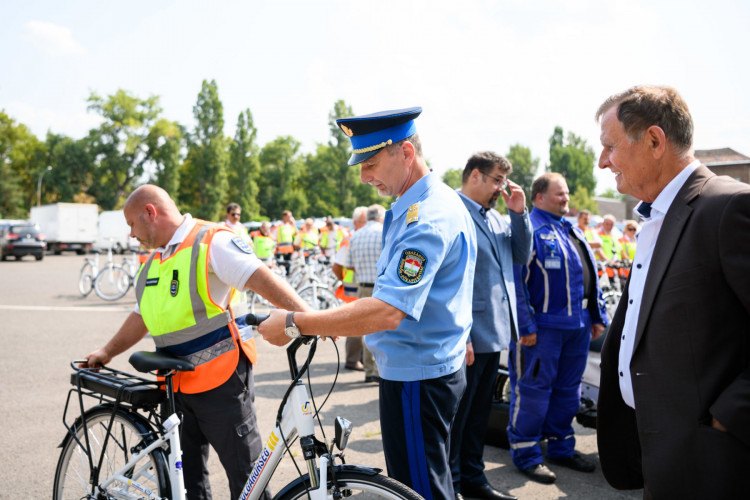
(22, 239)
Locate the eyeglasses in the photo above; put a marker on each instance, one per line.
(630, 228)
(235, 214)
(502, 182)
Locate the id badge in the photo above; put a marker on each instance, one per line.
(552, 263)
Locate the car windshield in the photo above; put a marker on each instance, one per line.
(30, 230)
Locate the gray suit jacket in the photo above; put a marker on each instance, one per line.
(499, 246)
(691, 359)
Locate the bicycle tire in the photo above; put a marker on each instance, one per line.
(359, 484)
(86, 279)
(72, 473)
(112, 282)
(318, 297)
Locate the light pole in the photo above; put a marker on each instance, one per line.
(39, 185)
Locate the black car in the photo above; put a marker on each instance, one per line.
(22, 239)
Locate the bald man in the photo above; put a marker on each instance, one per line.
(192, 257)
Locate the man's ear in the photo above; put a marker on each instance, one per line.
(656, 141)
(150, 211)
(408, 151)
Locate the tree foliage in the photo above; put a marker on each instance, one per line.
(119, 146)
(281, 186)
(203, 186)
(572, 158)
(525, 168)
(244, 167)
(453, 177)
(580, 200)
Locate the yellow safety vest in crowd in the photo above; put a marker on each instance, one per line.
(609, 246)
(629, 247)
(326, 234)
(285, 238)
(308, 239)
(176, 306)
(264, 246)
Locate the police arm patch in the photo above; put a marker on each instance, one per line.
(242, 244)
(411, 266)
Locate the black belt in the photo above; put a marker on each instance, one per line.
(367, 285)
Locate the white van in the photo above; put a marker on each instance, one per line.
(114, 232)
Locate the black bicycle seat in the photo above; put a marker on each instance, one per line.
(146, 361)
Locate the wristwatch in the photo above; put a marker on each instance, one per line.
(291, 330)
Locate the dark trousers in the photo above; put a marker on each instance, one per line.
(470, 425)
(415, 420)
(223, 418)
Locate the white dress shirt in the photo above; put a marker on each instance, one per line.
(646, 241)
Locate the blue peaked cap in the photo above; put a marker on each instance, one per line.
(371, 133)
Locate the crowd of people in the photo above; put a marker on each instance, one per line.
(443, 283)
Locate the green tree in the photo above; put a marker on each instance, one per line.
(525, 168)
(614, 194)
(281, 185)
(72, 171)
(574, 159)
(165, 143)
(244, 167)
(203, 186)
(23, 158)
(580, 200)
(453, 177)
(119, 146)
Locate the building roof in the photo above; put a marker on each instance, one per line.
(720, 156)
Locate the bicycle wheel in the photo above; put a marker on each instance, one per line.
(112, 282)
(86, 279)
(319, 297)
(354, 484)
(73, 472)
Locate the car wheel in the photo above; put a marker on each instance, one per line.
(39, 256)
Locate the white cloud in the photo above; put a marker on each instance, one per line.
(52, 39)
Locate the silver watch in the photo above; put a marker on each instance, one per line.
(291, 330)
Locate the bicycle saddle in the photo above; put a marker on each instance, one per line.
(146, 361)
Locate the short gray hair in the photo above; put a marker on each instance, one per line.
(376, 212)
(358, 212)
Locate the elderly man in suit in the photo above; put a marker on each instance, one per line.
(674, 402)
(499, 246)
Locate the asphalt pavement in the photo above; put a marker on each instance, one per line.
(46, 324)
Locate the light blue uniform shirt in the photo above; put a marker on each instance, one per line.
(431, 341)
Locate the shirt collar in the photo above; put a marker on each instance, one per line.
(662, 202)
(552, 217)
(182, 232)
(413, 194)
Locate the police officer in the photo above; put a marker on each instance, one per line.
(183, 291)
(419, 315)
(559, 309)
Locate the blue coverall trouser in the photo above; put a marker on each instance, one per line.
(545, 381)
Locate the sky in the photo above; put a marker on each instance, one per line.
(488, 74)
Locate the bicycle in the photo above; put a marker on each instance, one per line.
(113, 281)
(123, 448)
(88, 273)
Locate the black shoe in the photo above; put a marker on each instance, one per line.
(358, 366)
(540, 473)
(575, 462)
(372, 378)
(484, 491)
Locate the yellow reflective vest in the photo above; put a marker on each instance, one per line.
(176, 305)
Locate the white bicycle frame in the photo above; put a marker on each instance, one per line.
(296, 418)
(176, 479)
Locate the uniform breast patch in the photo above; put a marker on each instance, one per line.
(411, 266)
(242, 244)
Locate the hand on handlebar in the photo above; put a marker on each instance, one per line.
(272, 329)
